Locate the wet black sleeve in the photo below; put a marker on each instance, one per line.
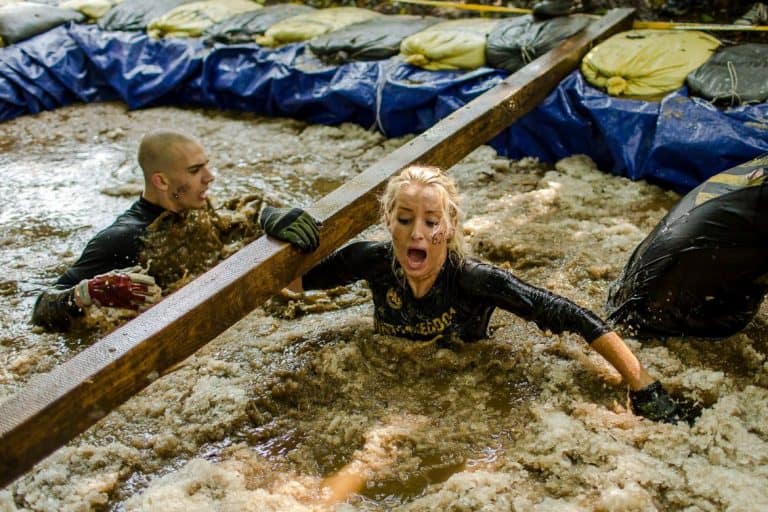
(113, 248)
(548, 310)
(55, 309)
(353, 262)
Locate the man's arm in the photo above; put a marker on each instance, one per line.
(116, 289)
(112, 248)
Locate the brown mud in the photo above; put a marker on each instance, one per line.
(303, 388)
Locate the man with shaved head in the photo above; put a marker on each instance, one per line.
(176, 178)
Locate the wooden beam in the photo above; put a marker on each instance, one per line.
(57, 406)
(710, 27)
(468, 7)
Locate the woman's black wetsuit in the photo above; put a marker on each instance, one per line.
(460, 302)
(115, 247)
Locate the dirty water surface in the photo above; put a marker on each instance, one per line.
(302, 393)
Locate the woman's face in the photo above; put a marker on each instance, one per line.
(420, 232)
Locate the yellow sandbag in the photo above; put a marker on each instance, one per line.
(94, 9)
(455, 44)
(312, 24)
(189, 20)
(646, 63)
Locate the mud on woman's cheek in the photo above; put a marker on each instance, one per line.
(438, 235)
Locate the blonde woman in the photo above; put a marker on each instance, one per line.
(424, 287)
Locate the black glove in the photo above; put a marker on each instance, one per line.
(654, 403)
(292, 225)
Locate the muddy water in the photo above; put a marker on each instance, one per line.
(303, 391)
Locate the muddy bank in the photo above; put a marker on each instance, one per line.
(302, 388)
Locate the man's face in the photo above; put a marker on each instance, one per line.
(188, 177)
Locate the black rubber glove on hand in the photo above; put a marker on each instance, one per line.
(292, 225)
(654, 403)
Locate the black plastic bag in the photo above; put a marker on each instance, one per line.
(378, 38)
(27, 19)
(733, 76)
(136, 14)
(515, 42)
(703, 270)
(242, 28)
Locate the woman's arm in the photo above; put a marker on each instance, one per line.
(616, 352)
(647, 395)
(558, 314)
(353, 262)
(500, 288)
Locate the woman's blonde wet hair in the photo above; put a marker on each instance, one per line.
(433, 177)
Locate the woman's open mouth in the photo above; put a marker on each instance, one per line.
(416, 257)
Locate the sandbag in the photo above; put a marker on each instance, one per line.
(515, 42)
(455, 44)
(92, 9)
(377, 38)
(189, 20)
(703, 269)
(23, 20)
(131, 15)
(308, 26)
(734, 76)
(646, 63)
(243, 27)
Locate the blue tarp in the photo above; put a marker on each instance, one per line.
(677, 143)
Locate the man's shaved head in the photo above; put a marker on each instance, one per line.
(175, 167)
(158, 150)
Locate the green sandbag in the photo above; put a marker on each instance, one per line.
(243, 27)
(736, 75)
(310, 25)
(92, 9)
(377, 38)
(189, 20)
(23, 20)
(647, 63)
(133, 15)
(515, 42)
(455, 44)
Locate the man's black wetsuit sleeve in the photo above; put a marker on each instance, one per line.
(353, 262)
(548, 310)
(113, 248)
(55, 309)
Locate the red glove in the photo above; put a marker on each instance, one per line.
(117, 290)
